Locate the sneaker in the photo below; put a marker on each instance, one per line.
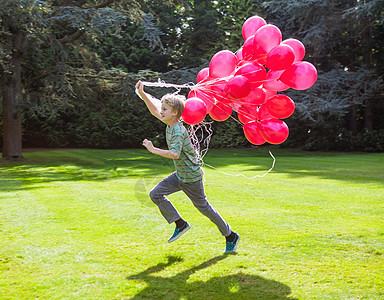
(179, 232)
(231, 246)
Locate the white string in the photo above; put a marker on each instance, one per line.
(205, 140)
(238, 175)
(161, 83)
(195, 140)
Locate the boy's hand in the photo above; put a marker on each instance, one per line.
(148, 144)
(139, 86)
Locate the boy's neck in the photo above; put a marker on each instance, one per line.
(173, 122)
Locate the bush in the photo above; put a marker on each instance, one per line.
(344, 140)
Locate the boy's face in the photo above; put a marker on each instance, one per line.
(168, 115)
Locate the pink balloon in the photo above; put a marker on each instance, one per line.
(202, 74)
(263, 114)
(238, 87)
(280, 58)
(222, 64)
(266, 38)
(273, 82)
(269, 94)
(236, 105)
(251, 25)
(220, 111)
(194, 111)
(255, 73)
(256, 97)
(252, 133)
(300, 76)
(205, 95)
(247, 113)
(297, 46)
(274, 131)
(280, 106)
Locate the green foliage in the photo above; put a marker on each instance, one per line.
(343, 140)
(106, 112)
(233, 14)
(228, 134)
(129, 52)
(201, 33)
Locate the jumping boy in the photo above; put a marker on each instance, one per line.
(188, 175)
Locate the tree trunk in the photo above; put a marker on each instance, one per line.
(368, 115)
(353, 120)
(12, 134)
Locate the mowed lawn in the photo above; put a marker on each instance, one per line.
(78, 224)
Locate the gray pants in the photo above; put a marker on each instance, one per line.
(195, 192)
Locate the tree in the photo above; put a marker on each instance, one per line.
(340, 41)
(49, 30)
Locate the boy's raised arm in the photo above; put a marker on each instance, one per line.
(153, 104)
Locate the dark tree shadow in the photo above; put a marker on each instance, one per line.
(235, 286)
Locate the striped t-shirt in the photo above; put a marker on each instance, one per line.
(187, 165)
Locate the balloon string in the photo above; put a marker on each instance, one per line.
(242, 175)
(204, 89)
(196, 141)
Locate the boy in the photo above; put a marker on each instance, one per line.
(188, 176)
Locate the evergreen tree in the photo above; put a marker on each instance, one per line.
(50, 35)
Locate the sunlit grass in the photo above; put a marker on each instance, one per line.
(78, 224)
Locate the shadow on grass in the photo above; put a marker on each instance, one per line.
(234, 286)
(352, 167)
(101, 165)
(45, 167)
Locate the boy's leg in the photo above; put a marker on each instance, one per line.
(195, 191)
(158, 194)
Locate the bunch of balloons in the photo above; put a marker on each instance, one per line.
(248, 81)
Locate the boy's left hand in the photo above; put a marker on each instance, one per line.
(148, 144)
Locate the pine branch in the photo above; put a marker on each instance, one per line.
(37, 78)
(72, 37)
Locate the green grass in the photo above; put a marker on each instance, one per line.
(78, 224)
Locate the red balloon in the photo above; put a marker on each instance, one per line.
(194, 111)
(247, 113)
(222, 64)
(220, 111)
(202, 74)
(255, 73)
(239, 55)
(280, 106)
(273, 82)
(300, 76)
(256, 97)
(248, 49)
(252, 133)
(266, 38)
(205, 95)
(274, 131)
(297, 46)
(251, 25)
(218, 88)
(238, 87)
(263, 114)
(280, 58)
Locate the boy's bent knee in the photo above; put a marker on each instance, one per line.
(153, 194)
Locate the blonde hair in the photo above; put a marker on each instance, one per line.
(176, 102)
